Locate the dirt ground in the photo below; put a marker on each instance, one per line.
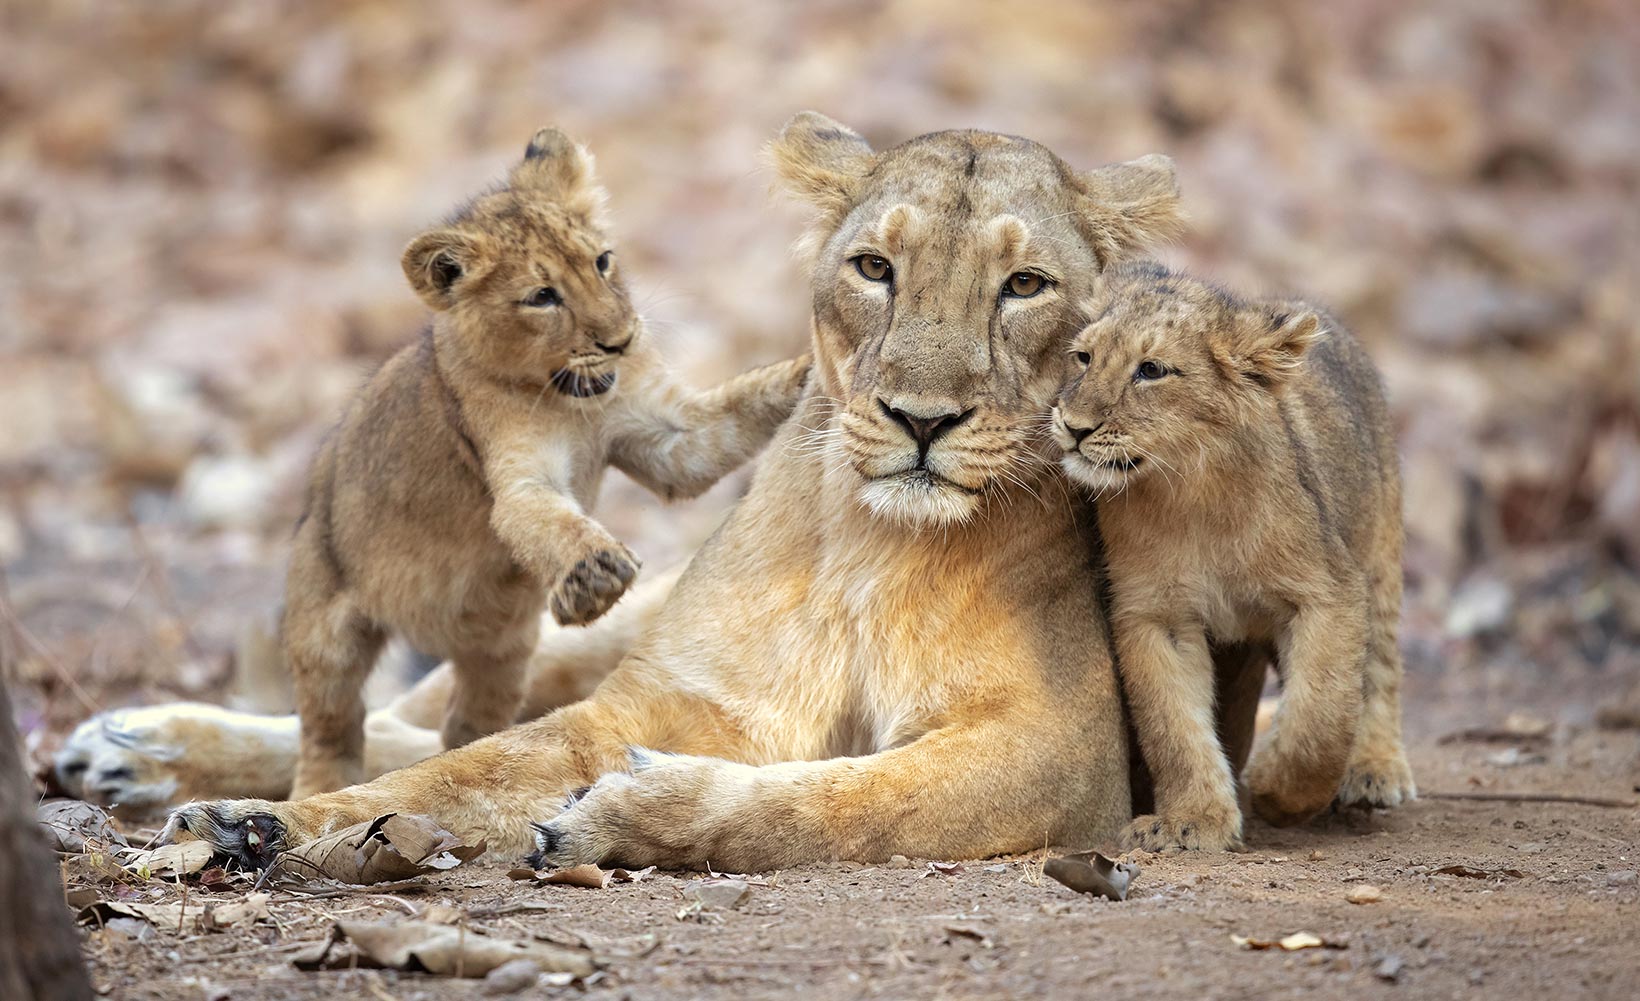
(1555, 907)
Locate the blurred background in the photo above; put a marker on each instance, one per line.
(202, 206)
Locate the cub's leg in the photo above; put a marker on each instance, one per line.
(1378, 773)
(968, 790)
(1321, 654)
(1169, 678)
(489, 685)
(490, 789)
(1239, 670)
(330, 646)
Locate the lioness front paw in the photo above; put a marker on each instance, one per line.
(659, 814)
(593, 585)
(1380, 781)
(1154, 833)
(246, 832)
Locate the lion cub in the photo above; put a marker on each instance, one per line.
(450, 504)
(1249, 492)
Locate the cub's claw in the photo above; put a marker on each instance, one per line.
(241, 831)
(1154, 833)
(593, 586)
(1380, 782)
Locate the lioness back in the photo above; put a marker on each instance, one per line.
(1246, 463)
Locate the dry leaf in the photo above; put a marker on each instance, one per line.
(1093, 873)
(440, 949)
(248, 910)
(588, 876)
(182, 859)
(1470, 872)
(165, 917)
(1292, 943)
(717, 893)
(394, 846)
(944, 868)
(70, 823)
(1364, 894)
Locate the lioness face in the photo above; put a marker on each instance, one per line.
(947, 272)
(1167, 368)
(530, 277)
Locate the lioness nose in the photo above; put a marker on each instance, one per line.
(925, 430)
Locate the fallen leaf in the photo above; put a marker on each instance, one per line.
(182, 859)
(957, 930)
(1291, 943)
(1093, 873)
(248, 910)
(1470, 872)
(165, 917)
(1364, 894)
(944, 868)
(394, 846)
(589, 876)
(440, 949)
(70, 823)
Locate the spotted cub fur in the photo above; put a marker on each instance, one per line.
(1249, 492)
(450, 504)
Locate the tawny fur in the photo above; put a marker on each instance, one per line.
(886, 648)
(451, 503)
(1249, 493)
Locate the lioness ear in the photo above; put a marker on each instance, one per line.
(1273, 341)
(822, 160)
(1131, 206)
(436, 260)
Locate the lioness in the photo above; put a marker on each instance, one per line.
(1249, 492)
(450, 504)
(886, 648)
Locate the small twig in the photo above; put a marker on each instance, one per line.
(286, 947)
(1533, 797)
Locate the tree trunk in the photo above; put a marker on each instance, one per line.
(39, 945)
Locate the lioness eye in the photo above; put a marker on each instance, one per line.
(1083, 358)
(1023, 284)
(1149, 370)
(543, 297)
(873, 268)
(603, 261)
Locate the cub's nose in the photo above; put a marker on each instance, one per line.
(1079, 433)
(924, 430)
(614, 346)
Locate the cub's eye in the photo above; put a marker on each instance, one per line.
(603, 261)
(543, 297)
(873, 268)
(1082, 358)
(1023, 285)
(1149, 371)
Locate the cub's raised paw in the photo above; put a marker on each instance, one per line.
(1378, 782)
(593, 585)
(244, 832)
(1153, 833)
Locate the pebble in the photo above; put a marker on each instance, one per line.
(1388, 968)
(1366, 893)
(1623, 877)
(512, 976)
(720, 894)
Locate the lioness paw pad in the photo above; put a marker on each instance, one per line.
(242, 832)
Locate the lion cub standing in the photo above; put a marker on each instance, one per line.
(449, 505)
(1250, 492)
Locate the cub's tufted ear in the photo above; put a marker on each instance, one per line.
(1272, 340)
(558, 167)
(821, 160)
(436, 261)
(1130, 207)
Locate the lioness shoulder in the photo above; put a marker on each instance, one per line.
(450, 505)
(1247, 471)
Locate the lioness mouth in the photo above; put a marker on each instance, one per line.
(574, 384)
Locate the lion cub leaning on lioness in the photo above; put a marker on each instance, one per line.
(1249, 492)
(449, 505)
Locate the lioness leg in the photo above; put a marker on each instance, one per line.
(1298, 773)
(964, 791)
(490, 789)
(1169, 678)
(1378, 773)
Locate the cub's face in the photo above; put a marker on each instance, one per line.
(529, 278)
(946, 273)
(1168, 368)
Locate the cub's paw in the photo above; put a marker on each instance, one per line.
(1380, 781)
(593, 585)
(1285, 796)
(246, 832)
(1153, 833)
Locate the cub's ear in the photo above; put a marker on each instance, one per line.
(821, 160)
(1131, 207)
(561, 169)
(436, 261)
(1273, 341)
